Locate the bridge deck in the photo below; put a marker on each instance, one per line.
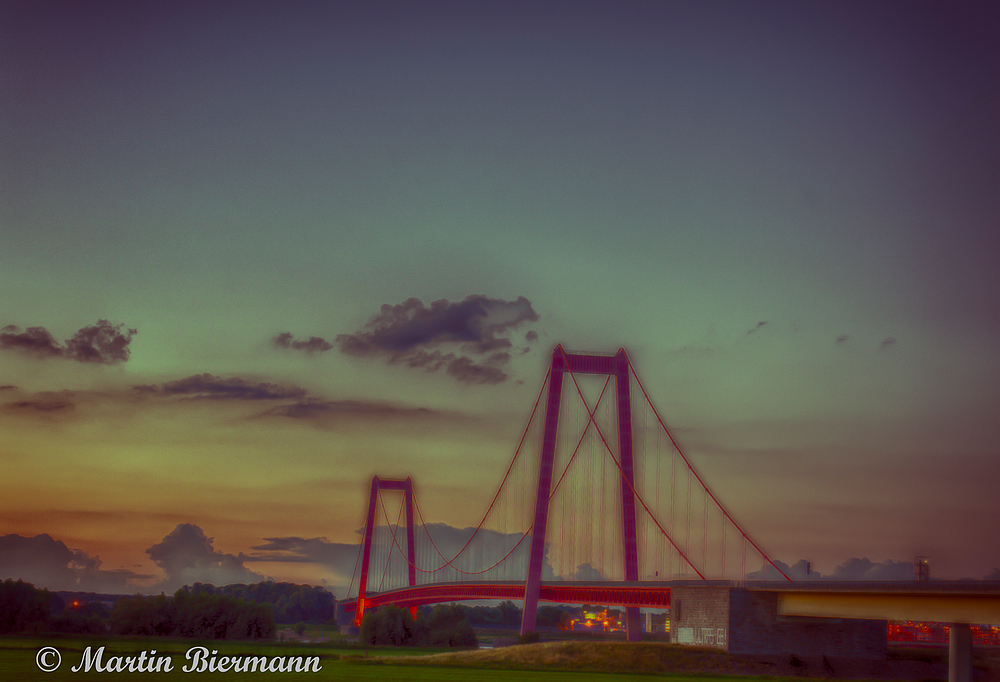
(646, 594)
(937, 600)
(943, 601)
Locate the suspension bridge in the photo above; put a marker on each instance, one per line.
(598, 504)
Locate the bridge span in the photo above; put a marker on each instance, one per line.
(623, 500)
(944, 601)
(740, 616)
(611, 593)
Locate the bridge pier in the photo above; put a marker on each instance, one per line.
(633, 630)
(618, 367)
(959, 653)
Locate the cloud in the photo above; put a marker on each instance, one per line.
(889, 341)
(102, 343)
(864, 569)
(342, 558)
(34, 340)
(45, 406)
(314, 344)
(842, 339)
(49, 563)
(338, 556)
(187, 556)
(800, 571)
(758, 326)
(531, 336)
(259, 400)
(587, 572)
(468, 371)
(211, 387)
(443, 335)
(852, 569)
(333, 409)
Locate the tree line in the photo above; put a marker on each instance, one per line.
(26, 609)
(202, 611)
(291, 603)
(445, 625)
(507, 615)
(199, 615)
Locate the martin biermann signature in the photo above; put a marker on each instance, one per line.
(199, 660)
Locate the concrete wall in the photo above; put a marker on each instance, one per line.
(757, 629)
(743, 621)
(699, 616)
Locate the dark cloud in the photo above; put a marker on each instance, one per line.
(331, 409)
(49, 563)
(531, 336)
(336, 555)
(34, 340)
(758, 326)
(443, 335)
(338, 558)
(314, 344)
(8, 387)
(286, 401)
(44, 406)
(889, 341)
(842, 339)
(102, 343)
(187, 556)
(211, 387)
(468, 371)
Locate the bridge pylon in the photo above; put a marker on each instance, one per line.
(618, 366)
(406, 486)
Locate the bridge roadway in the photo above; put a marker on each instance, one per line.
(611, 593)
(957, 602)
(945, 601)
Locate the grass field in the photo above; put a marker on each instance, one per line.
(17, 662)
(548, 662)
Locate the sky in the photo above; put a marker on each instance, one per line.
(255, 253)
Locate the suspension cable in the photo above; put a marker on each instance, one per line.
(693, 471)
(615, 460)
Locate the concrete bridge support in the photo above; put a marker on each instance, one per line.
(959, 653)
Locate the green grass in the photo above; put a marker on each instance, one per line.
(569, 662)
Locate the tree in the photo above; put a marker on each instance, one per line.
(448, 626)
(445, 626)
(193, 613)
(23, 608)
(510, 615)
(387, 625)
